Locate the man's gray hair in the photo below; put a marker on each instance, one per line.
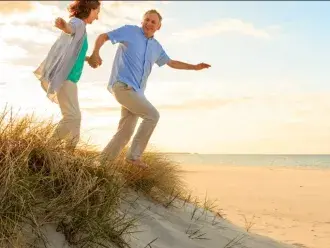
(153, 11)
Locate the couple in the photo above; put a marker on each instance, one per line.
(137, 52)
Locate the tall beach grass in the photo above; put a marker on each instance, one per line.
(41, 183)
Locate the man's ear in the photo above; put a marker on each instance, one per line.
(160, 24)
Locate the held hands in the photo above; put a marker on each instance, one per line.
(94, 60)
(201, 66)
(60, 23)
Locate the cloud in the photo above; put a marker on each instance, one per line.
(28, 31)
(14, 33)
(36, 19)
(222, 26)
(10, 52)
(37, 12)
(15, 6)
(31, 31)
(21, 56)
(34, 25)
(202, 103)
(116, 13)
(193, 104)
(260, 124)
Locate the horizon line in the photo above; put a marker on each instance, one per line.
(283, 154)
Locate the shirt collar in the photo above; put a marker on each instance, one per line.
(151, 38)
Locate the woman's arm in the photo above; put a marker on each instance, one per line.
(63, 25)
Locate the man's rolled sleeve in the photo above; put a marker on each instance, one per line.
(163, 59)
(120, 34)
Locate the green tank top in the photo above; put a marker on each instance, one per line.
(77, 68)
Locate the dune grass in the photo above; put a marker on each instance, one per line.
(42, 183)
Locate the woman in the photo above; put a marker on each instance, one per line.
(60, 72)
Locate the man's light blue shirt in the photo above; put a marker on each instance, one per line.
(135, 57)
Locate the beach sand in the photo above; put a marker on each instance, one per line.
(291, 205)
(182, 225)
(288, 208)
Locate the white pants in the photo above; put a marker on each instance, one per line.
(68, 128)
(134, 105)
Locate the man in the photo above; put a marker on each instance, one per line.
(137, 52)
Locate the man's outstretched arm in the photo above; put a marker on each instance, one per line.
(185, 66)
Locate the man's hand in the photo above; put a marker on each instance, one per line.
(185, 66)
(88, 59)
(95, 60)
(201, 66)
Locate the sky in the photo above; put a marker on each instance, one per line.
(267, 91)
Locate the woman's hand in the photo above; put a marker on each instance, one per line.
(60, 23)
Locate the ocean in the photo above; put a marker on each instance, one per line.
(318, 161)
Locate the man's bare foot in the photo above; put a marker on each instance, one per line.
(138, 163)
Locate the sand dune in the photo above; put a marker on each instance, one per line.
(287, 207)
(161, 227)
(174, 228)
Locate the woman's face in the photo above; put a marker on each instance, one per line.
(94, 15)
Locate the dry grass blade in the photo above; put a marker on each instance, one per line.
(196, 234)
(149, 244)
(161, 180)
(234, 242)
(42, 183)
(248, 223)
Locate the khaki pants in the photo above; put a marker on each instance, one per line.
(134, 105)
(68, 128)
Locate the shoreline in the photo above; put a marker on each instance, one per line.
(271, 167)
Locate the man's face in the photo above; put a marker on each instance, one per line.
(150, 24)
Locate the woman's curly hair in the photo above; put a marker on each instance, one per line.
(82, 8)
